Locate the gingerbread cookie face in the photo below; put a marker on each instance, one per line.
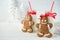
(28, 17)
(44, 20)
(27, 24)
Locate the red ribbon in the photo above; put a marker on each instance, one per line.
(31, 12)
(49, 14)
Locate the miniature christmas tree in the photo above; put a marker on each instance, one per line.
(15, 9)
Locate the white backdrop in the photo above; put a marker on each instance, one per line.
(10, 27)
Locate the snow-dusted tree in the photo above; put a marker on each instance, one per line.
(18, 9)
(14, 9)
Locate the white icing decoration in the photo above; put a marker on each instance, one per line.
(40, 33)
(29, 23)
(46, 34)
(28, 29)
(44, 20)
(39, 26)
(48, 26)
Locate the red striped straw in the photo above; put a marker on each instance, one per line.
(30, 5)
(52, 6)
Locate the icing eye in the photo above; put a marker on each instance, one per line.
(42, 20)
(45, 20)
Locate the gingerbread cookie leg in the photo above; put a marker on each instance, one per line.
(24, 30)
(39, 34)
(30, 30)
(49, 35)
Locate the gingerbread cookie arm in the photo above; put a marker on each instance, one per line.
(50, 25)
(22, 21)
(32, 22)
(37, 25)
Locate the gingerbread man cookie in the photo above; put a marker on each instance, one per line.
(27, 24)
(44, 27)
